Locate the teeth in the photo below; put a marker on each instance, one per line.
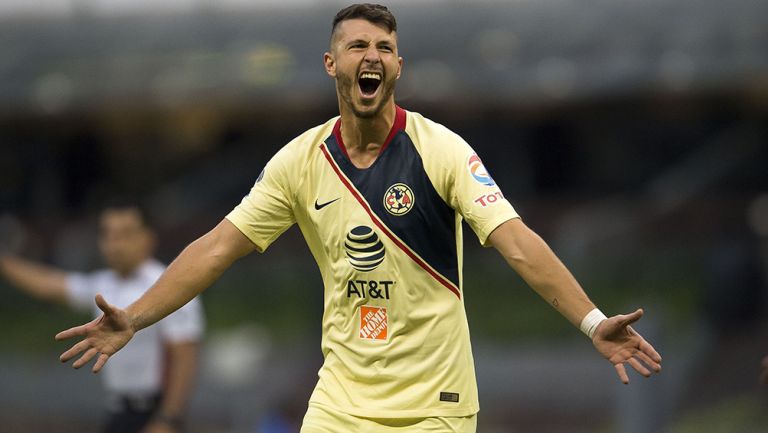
(371, 75)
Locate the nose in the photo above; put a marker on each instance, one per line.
(372, 55)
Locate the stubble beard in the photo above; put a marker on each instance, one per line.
(347, 86)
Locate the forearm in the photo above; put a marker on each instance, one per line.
(196, 268)
(538, 265)
(38, 280)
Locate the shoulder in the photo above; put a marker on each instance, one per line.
(434, 141)
(423, 128)
(287, 165)
(297, 152)
(311, 138)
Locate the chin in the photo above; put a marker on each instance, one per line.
(368, 111)
(367, 114)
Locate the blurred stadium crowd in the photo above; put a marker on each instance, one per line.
(632, 135)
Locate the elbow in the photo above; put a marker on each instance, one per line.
(518, 261)
(214, 252)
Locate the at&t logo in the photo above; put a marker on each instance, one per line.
(364, 249)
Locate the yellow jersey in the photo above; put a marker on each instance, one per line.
(388, 242)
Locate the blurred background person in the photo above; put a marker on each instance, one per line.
(148, 386)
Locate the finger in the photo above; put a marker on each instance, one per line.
(628, 319)
(644, 346)
(640, 368)
(103, 305)
(74, 350)
(621, 356)
(647, 349)
(100, 361)
(622, 372)
(87, 356)
(648, 361)
(77, 331)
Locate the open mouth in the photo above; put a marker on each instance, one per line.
(369, 82)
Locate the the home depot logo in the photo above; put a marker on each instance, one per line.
(373, 323)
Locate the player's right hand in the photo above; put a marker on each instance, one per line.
(616, 340)
(104, 336)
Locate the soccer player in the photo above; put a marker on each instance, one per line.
(148, 384)
(379, 194)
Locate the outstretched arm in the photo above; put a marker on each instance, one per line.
(196, 268)
(532, 258)
(41, 281)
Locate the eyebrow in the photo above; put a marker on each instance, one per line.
(387, 43)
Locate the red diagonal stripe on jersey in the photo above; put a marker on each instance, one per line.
(442, 280)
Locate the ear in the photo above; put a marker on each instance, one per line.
(330, 64)
(399, 67)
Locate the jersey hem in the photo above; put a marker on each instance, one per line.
(402, 413)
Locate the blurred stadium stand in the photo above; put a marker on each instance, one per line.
(633, 135)
(60, 55)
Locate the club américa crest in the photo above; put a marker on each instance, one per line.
(398, 199)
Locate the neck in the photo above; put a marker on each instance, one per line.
(363, 135)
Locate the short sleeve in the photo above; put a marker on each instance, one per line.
(267, 211)
(185, 324)
(476, 195)
(81, 290)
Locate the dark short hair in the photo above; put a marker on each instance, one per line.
(121, 203)
(373, 13)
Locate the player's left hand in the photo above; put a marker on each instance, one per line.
(621, 344)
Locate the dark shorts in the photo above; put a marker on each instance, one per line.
(130, 414)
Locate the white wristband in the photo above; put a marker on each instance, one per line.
(590, 321)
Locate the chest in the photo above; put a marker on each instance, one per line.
(347, 208)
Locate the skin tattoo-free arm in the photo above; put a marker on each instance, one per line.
(196, 268)
(614, 338)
